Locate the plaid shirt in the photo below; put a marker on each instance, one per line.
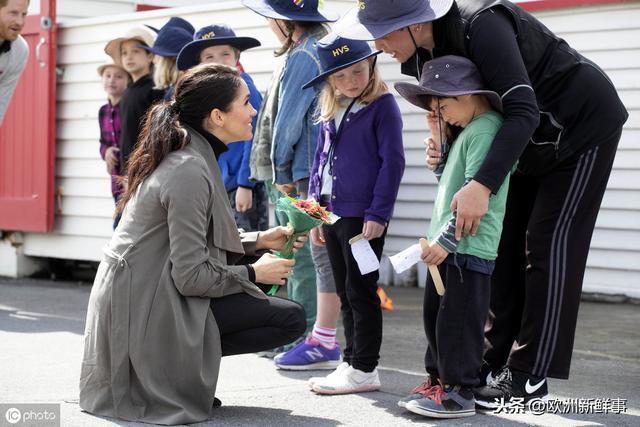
(110, 129)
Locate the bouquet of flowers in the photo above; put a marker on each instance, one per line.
(302, 216)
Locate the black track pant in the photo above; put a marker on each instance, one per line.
(537, 282)
(249, 324)
(361, 312)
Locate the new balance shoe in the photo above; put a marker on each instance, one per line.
(340, 368)
(421, 391)
(270, 354)
(510, 383)
(445, 402)
(309, 355)
(348, 380)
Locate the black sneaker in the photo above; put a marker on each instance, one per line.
(486, 374)
(510, 383)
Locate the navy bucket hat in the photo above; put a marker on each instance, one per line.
(177, 22)
(447, 76)
(373, 19)
(212, 35)
(336, 53)
(170, 41)
(290, 10)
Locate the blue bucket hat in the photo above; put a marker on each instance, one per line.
(447, 76)
(373, 19)
(336, 53)
(290, 10)
(170, 41)
(177, 22)
(212, 35)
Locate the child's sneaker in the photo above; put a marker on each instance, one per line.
(337, 371)
(445, 402)
(421, 391)
(348, 380)
(309, 355)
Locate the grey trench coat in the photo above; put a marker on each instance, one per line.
(152, 347)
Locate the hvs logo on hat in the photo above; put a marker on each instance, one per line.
(340, 50)
(209, 35)
(360, 5)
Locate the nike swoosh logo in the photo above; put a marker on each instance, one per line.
(530, 389)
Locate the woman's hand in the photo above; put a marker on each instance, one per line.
(434, 254)
(287, 189)
(272, 270)
(317, 236)
(470, 203)
(372, 230)
(276, 237)
(244, 199)
(111, 157)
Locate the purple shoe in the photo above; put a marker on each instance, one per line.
(309, 355)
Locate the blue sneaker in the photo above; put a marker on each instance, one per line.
(309, 355)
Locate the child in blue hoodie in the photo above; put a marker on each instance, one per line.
(218, 44)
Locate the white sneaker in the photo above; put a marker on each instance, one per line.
(337, 371)
(349, 380)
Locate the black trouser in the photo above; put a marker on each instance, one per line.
(537, 282)
(361, 312)
(249, 324)
(454, 325)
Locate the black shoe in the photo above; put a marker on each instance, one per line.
(216, 402)
(508, 384)
(486, 374)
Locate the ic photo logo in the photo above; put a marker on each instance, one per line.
(13, 415)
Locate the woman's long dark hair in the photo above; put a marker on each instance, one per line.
(201, 90)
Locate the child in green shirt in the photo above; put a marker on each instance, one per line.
(453, 92)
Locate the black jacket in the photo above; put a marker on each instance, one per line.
(553, 97)
(134, 104)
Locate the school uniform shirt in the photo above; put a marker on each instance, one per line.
(134, 104)
(110, 130)
(13, 59)
(368, 161)
(466, 155)
(234, 163)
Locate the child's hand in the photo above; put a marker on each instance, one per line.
(111, 157)
(372, 230)
(317, 236)
(434, 154)
(434, 254)
(286, 189)
(244, 199)
(438, 132)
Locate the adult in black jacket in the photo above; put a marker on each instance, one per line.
(562, 123)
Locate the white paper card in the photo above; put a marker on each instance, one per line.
(407, 258)
(365, 257)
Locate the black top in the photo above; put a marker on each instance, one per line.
(529, 67)
(218, 146)
(134, 104)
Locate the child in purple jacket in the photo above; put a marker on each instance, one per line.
(356, 173)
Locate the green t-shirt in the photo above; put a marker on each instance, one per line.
(464, 159)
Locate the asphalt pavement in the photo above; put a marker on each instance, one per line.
(42, 324)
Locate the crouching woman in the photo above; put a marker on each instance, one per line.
(168, 300)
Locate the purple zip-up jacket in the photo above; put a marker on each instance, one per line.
(368, 162)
